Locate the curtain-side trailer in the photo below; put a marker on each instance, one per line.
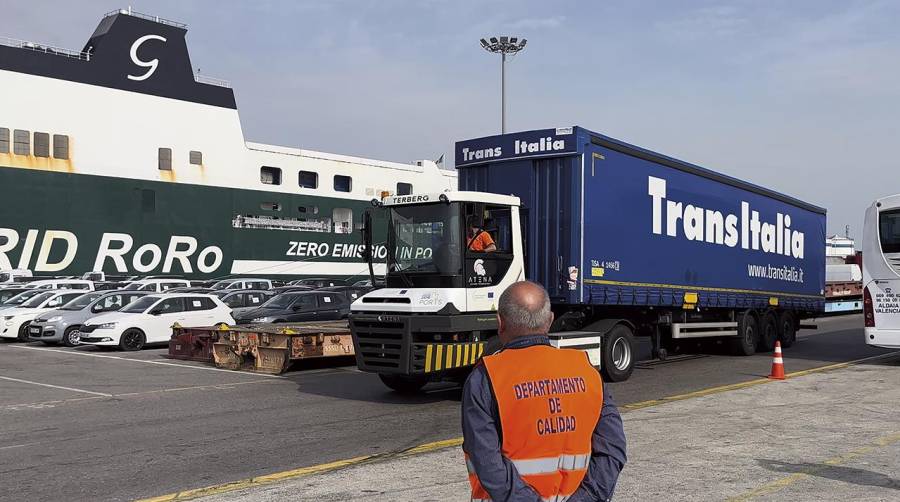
(626, 241)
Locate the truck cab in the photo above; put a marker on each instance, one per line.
(438, 305)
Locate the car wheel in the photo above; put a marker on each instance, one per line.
(71, 336)
(132, 339)
(23, 332)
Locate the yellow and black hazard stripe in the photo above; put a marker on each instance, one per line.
(445, 356)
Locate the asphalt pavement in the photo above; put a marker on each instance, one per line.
(84, 424)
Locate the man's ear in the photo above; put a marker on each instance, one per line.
(499, 324)
(552, 318)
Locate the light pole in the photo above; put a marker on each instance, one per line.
(503, 46)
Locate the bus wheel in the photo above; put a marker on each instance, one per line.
(404, 384)
(748, 335)
(768, 332)
(618, 354)
(787, 331)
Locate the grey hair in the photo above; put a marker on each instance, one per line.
(521, 317)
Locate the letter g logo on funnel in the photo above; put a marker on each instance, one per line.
(152, 64)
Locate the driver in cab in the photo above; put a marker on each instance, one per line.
(478, 239)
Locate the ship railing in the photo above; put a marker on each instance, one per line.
(155, 19)
(46, 49)
(280, 224)
(203, 79)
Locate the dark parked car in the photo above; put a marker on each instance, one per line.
(244, 297)
(297, 306)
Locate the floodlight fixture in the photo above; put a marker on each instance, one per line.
(503, 45)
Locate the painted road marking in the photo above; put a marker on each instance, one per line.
(53, 404)
(457, 442)
(72, 389)
(779, 484)
(161, 363)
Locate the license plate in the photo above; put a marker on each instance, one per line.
(34, 330)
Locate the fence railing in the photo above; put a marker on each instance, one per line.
(46, 49)
(155, 19)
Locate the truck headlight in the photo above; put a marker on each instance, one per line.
(107, 325)
(55, 318)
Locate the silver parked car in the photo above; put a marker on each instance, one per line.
(62, 325)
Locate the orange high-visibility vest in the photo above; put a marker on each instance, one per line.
(549, 401)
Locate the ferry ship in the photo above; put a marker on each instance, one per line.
(119, 158)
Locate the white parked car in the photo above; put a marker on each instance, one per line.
(149, 320)
(14, 321)
(157, 285)
(61, 284)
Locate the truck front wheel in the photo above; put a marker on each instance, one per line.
(618, 354)
(404, 384)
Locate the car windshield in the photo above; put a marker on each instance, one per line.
(425, 239)
(140, 305)
(82, 301)
(134, 286)
(38, 299)
(221, 293)
(279, 302)
(7, 294)
(23, 296)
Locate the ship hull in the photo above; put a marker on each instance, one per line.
(63, 223)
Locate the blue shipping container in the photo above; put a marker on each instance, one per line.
(609, 223)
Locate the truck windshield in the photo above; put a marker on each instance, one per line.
(425, 240)
(889, 228)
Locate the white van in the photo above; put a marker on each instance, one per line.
(62, 284)
(9, 276)
(242, 284)
(157, 285)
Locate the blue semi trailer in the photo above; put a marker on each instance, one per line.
(626, 241)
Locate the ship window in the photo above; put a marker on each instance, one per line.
(270, 175)
(60, 146)
(270, 206)
(196, 157)
(4, 140)
(404, 188)
(165, 159)
(343, 220)
(308, 209)
(21, 142)
(309, 179)
(41, 144)
(342, 183)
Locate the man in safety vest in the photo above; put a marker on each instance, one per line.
(537, 424)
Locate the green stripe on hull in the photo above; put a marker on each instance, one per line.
(34, 204)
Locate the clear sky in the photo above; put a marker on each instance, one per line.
(798, 95)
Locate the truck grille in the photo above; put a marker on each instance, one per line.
(379, 344)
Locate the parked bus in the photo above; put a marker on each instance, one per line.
(881, 272)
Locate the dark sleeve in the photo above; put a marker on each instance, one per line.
(607, 455)
(481, 441)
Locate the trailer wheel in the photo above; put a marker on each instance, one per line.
(404, 384)
(787, 331)
(748, 335)
(768, 332)
(618, 354)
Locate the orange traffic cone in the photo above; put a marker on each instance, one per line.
(777, 364)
